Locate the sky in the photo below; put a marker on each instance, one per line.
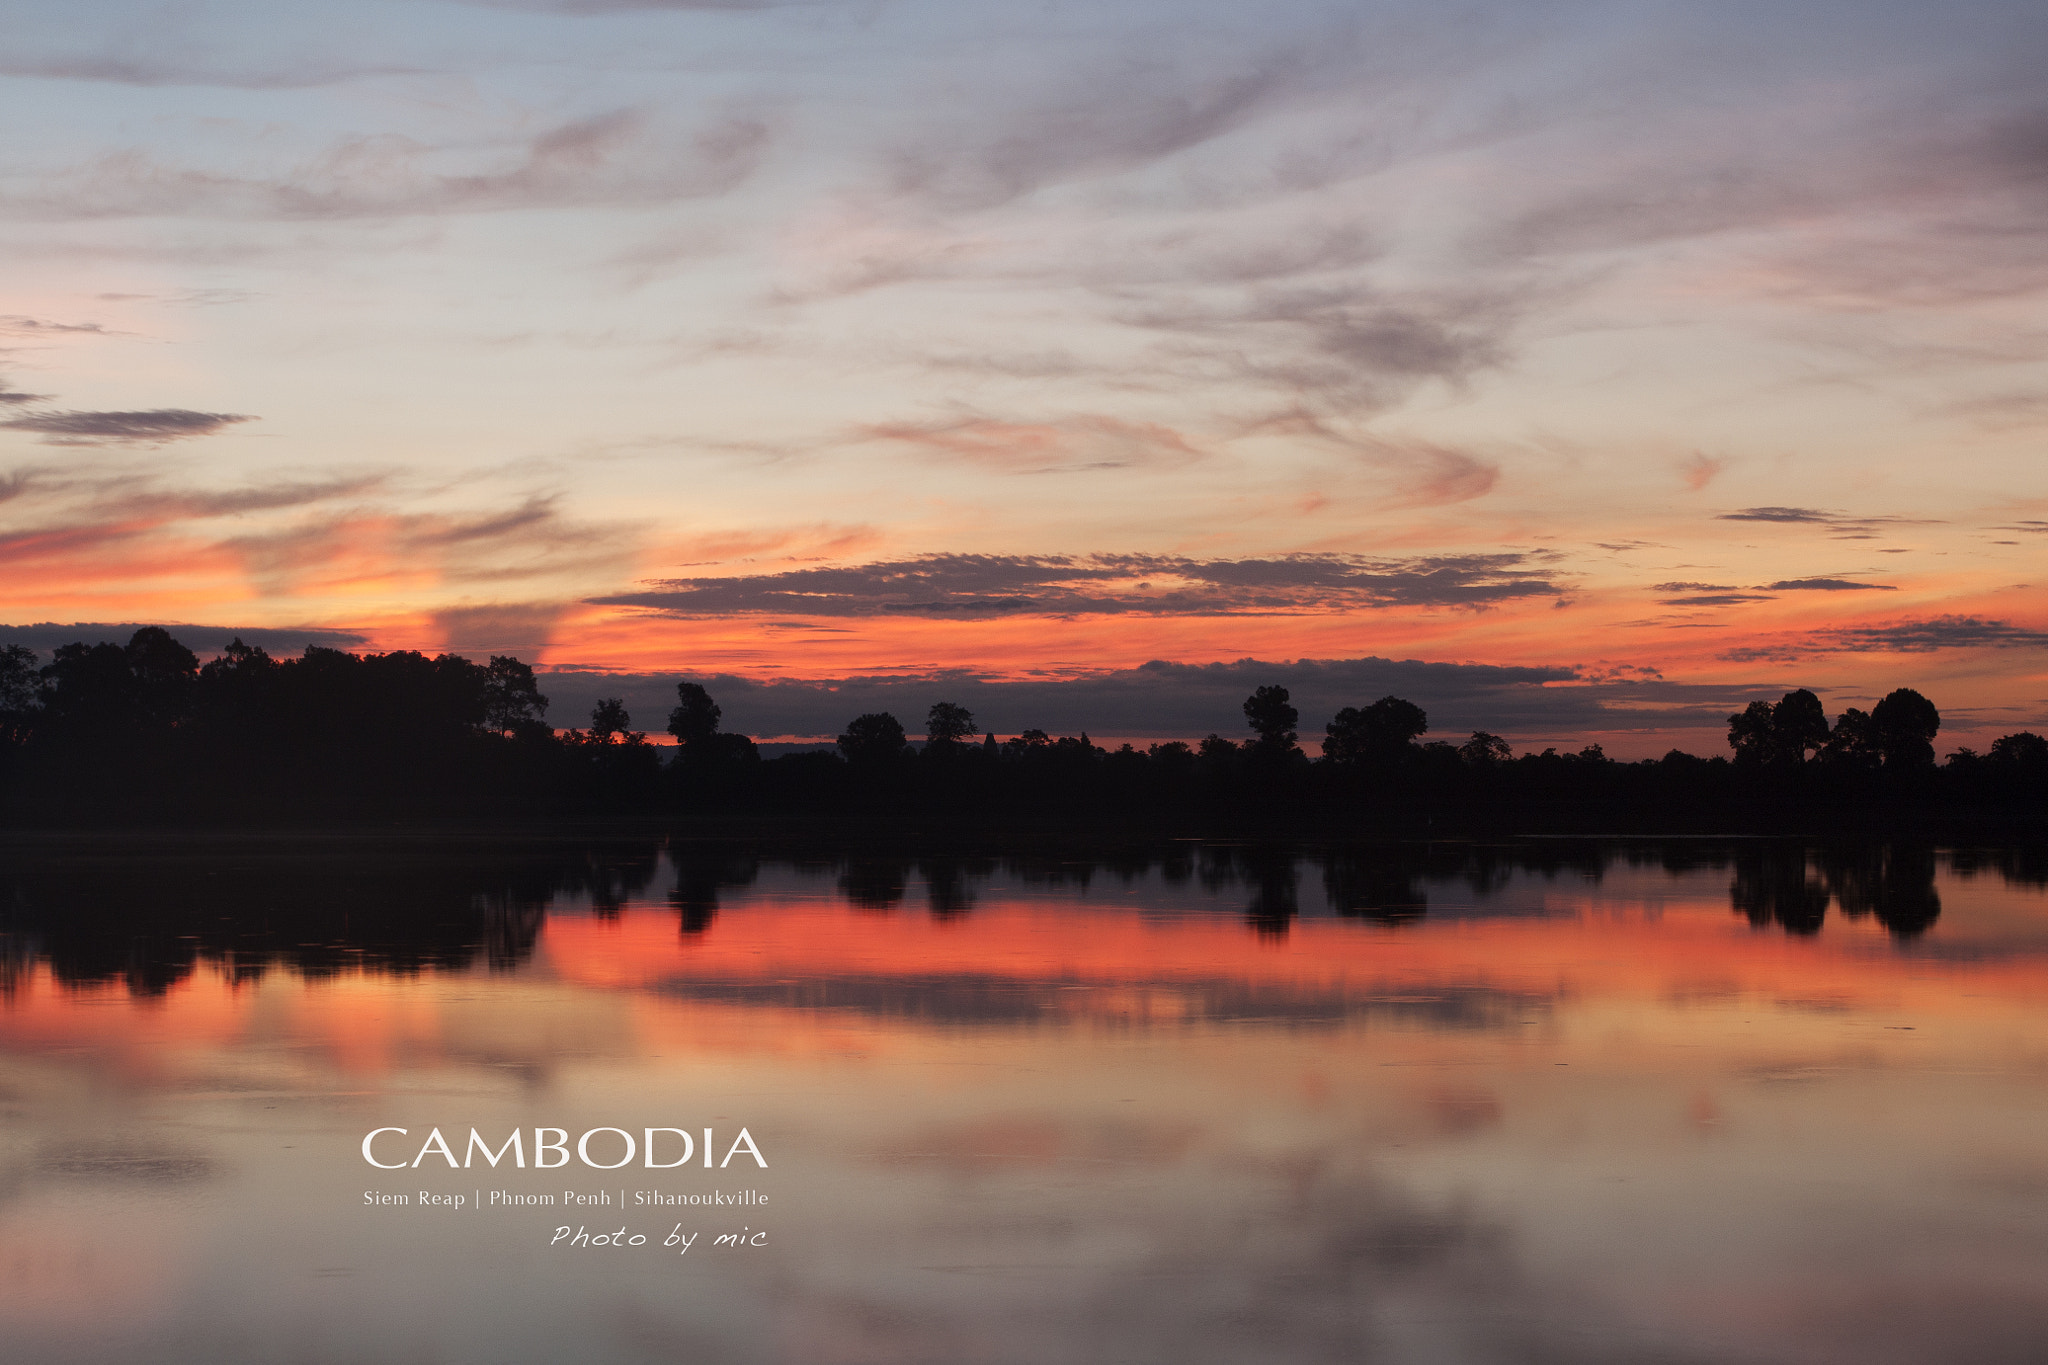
(1581, 371)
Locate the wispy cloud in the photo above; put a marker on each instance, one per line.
(123, 428)
(286, 537)
(1826, 585)
(531, 540)
(1424, 473)
(618, 157)
(1092, 123)
(1897, 637)
(1716, 599)
(1697, 471)
(518, 628)
(71, 512)
(1837, 525)
(629, 6)
(1351, 347)
(18, 326)
(969, 586)
(1072, 445)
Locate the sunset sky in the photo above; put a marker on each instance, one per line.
(1579, 370)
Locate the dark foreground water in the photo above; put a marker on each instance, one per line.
(1191, 1103)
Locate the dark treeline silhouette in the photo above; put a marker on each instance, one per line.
(146, 914)
(142, 733)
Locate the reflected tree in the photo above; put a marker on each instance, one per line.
(1772, 885)
(1275, 900)
(875, 883)
(1893, 882)
(702, 875)
(1375, 888)
(949, 884)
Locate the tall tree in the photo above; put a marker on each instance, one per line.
(695, 717)
(610, 723)
(1376, 733)
(949, 724)
(1272, 719)
(18, 686)
(1904, 725)
(872, 740)
(514, 705)
(1852, 743)
(1781, 734)
(1484, 749)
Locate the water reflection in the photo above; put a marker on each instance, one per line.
(1793, 887)
(145, 918)
(1193, 1102)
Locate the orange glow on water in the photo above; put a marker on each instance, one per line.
(623, 985)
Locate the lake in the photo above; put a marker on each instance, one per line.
(1570, 1101)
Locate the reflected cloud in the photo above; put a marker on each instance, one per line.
(105, 1161)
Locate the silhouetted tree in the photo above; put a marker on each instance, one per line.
(164, 672)
(1174, 760)
(1484, 749)
(111, 694)
(695, 717)
(621, 770)
(1799, 725)
(1219, 759)
(1780, 735)
(708, 759)
(610, 723)
(139, 731)
(2024, 750)
(1903, 727)
(948, 724)
(513, 703)
(1379, 732)
(1852, 744)
(1024, 744)
(18, 686)
(872, 739)
(1267, 711)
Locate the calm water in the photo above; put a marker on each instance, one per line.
(1191, 1103)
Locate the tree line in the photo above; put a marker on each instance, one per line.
(144, 732)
